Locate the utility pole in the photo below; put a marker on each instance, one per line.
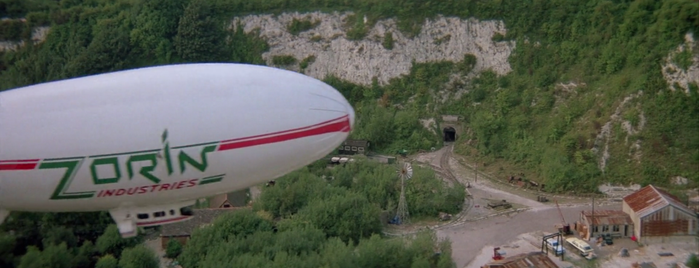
(592, 220)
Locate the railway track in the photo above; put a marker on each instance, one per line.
(444, 163)
(445, 171)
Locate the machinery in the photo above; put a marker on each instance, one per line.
(496, 254)
(564, 228)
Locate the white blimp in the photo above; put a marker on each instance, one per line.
(145, 144)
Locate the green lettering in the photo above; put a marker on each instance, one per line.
(145, 170)
(71, 167)
(114, 162)
(211, 179)
(168, 160)
(183, 157)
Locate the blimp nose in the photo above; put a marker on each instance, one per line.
(350, 112)
(334, 102)
(348, 109)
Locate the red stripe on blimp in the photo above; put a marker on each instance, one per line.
(287, 131)
(23, 166)
(341, 124)
(19, 161)
(163, 221)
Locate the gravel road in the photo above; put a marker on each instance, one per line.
(483, 227)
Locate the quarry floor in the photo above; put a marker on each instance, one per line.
(519, 229)
(478, 229)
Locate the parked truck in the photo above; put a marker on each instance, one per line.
(553, 244)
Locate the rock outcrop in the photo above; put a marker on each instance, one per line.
(443, 38)
(679, 78)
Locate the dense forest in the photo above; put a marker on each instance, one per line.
(313, 217)
(329, 218)
(610, 49)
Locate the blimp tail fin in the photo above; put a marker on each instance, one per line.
(124, 222)
(3, 214)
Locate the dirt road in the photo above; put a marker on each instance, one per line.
(483, 227)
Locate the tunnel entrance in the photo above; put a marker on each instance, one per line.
(449, 134)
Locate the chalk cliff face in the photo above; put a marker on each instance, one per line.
(359, 61)
(677, 77)
(38, 35)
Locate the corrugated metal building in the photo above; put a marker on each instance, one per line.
(614, 222)
(536, 259)
(659, 216)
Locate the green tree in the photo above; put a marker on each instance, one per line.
(112, 243)
(247, 47)
(139, 256)
(108, 51)
(298, 238)
(420, 262)
(58, 256)
(336, 253)
(107, 261)
(692, 261)
(349, 216)
(53, 256)
(206, 241)
(7, 246)
(200, 36)
(154, 28)
(291, 193)
(174, 248)
(84, 258)
(33, 259)
(377, 252)
(59, 234)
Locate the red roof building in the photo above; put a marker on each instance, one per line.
(615, 222)
(659, 216)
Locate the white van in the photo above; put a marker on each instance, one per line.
(580, 245)
(552, 244)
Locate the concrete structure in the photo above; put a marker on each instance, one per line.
(354, 147)
(181, 231)
(614, 222)
(450, 118)
(525, 260)
(384, 159)
(659, 216)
